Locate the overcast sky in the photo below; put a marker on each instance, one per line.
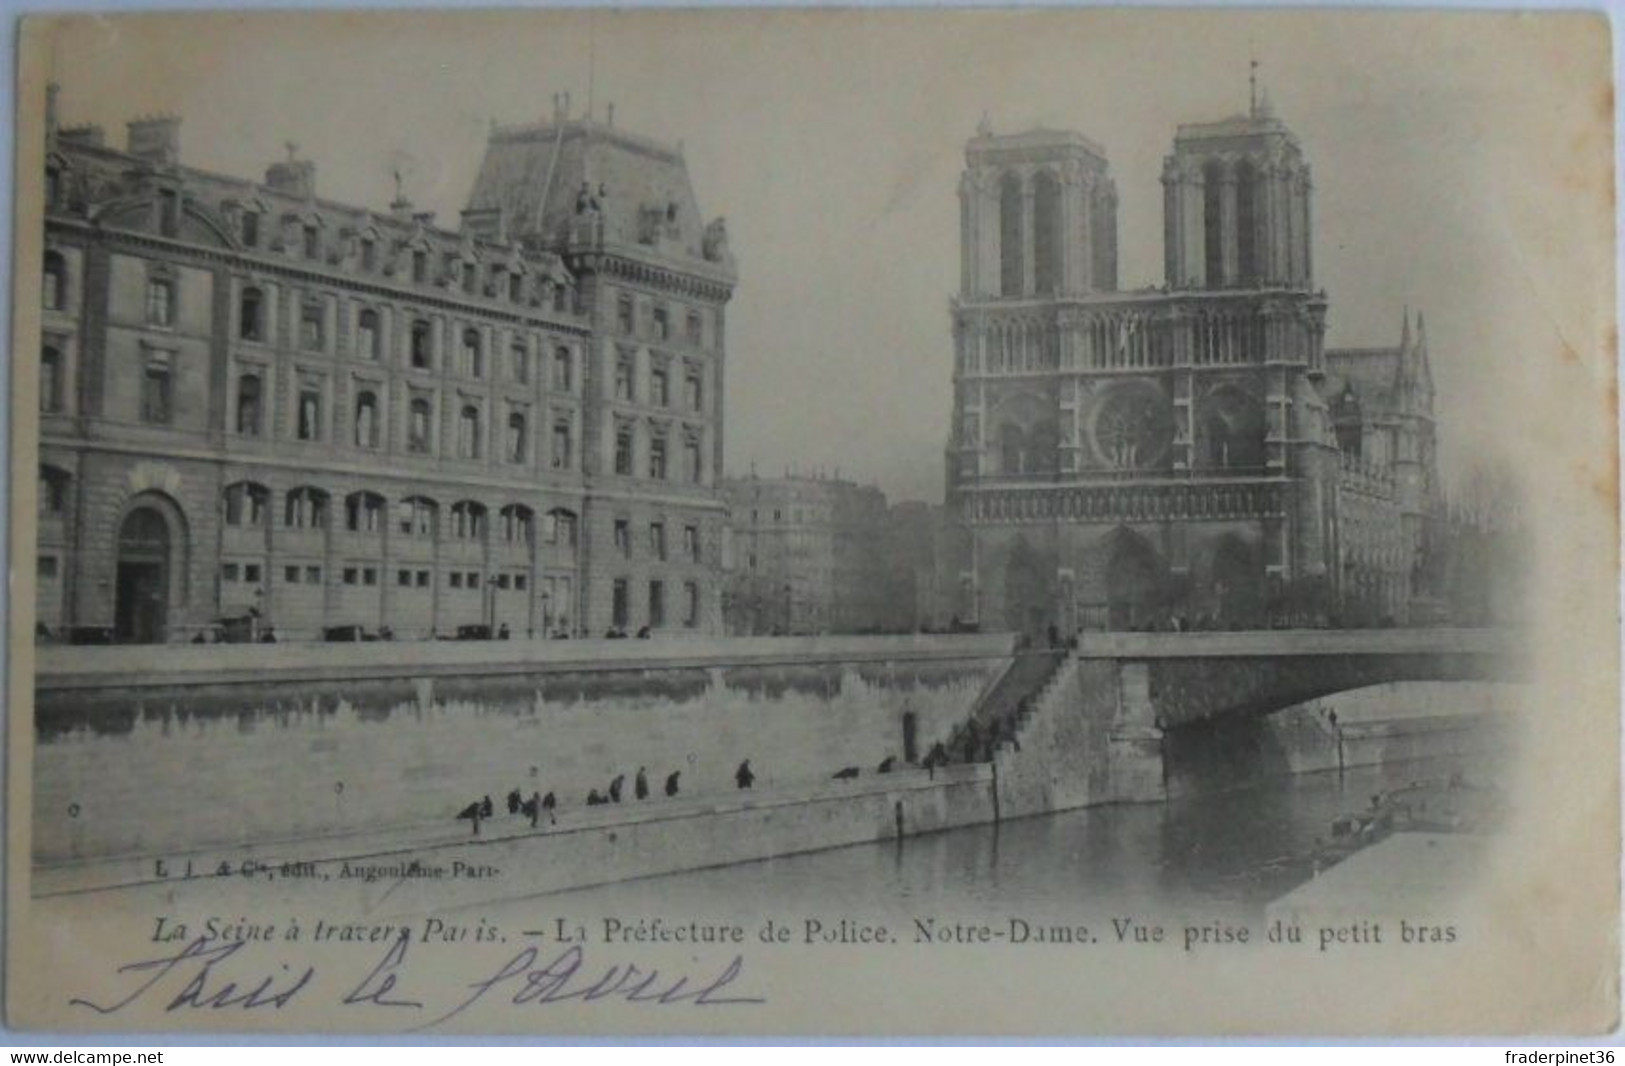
(1450, 154)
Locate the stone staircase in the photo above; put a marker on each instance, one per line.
(998, 716)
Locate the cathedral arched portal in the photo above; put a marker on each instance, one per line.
(1029, 595)
(1135, 581)
(1236, 584)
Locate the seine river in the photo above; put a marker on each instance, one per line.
(1232, 851)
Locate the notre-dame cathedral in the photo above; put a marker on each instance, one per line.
(1182, 456)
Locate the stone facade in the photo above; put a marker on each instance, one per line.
(810, 555)
(1179, 456)
(258, 403)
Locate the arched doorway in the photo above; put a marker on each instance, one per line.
(141, 609)
(1238, 584)
(1133, 583)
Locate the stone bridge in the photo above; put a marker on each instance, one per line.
(1099, 729)
(1170, 680)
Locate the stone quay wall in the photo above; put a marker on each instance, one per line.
(164, 750)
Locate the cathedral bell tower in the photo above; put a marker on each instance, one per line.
(1236, 206)
(1038, 217)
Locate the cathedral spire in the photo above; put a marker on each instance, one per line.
(1405, 329)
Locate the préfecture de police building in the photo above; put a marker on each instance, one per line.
(264, 407)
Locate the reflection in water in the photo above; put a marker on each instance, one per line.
(1232, 851)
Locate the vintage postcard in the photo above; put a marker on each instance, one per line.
(1067, 522)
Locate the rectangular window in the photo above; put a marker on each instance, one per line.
(623, 450)
(694, 390)
(403, 578)
(657, 540)
(694, 333)
(473, 580)
(160, 302)
(691, 604)
(369, 576)
(623, 379)
(313, 575)
(657, 603)
(502, 581)
(310, 411)
(310, 328)
(657, 458)
(251, 573)
(659, 387)
(520, 583)
(423, 579)
(624, 317)
(456, 579)
(50, 379)
(693, 469)
(352, 575)
(618, 605)
(662, 324)
(290, 574)
(562, 369)
(691, 543)
(229, 572)
(561, 445)
(157, 396)
(519, 360)
(623, 537)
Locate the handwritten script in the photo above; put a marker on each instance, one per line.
(206, 975)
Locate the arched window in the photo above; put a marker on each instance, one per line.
(1213, 223)
(364, 512)
(1046, 234)
(366, 335)
(417, 517)
(1247, 266)
(305, 508)
(468, 432)
(562, 369)
(1232, 425)
(55, 294)
(366, 419)
(422, 345)
(517, 521)
(419, 421)
(473, 354)
(1011, 266)
(468, 520)
(518, 438)
(250, 402)
(50, 379)
(251, 315)
(559, 527)
(246, 503)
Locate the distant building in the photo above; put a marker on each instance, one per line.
(809, 556)
(259, 403)
(1185, 455)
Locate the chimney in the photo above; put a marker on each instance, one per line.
(89, 136)
(156, 139)
(294, 176)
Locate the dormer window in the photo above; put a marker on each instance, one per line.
(313, 242)
(55, 295)
(471, 278)
(169, 212)
(248, 228)
(369, 254)
(516, 287)
(420, 266)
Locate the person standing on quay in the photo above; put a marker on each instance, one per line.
(671, 782)
(640, 785)
(743, 776)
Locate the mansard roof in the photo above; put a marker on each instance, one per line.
(543, 177)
